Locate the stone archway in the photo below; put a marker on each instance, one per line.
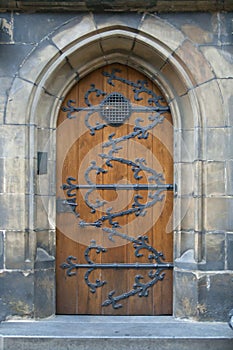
(154, 48)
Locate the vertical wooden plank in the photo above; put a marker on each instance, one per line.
(141, 225)
(117, 174)
(85, 149)
(89, 148)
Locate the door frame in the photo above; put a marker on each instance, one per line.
(175, 81)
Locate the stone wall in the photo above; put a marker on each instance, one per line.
(190, 56)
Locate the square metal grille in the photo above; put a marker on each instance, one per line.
(115, 108)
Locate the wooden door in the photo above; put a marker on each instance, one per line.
(114, 196)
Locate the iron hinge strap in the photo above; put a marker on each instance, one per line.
(136, 187)
(120, 266)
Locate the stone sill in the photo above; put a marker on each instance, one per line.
(117, 5)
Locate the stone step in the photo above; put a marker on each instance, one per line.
(114, 333)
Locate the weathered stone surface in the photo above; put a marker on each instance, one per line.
(200, 27)
(215, 296)
(229, 244)
(25, 23)
(186, 170)
(187, 241)
(11, 57)
(2, 239)
(16, 112)
(12, 141)
(175, 83)
(186, 294)
(45, 208)
(4, 89)
(162, 31)
(229, 177)
(215, 251)
(192, 58)
(81, 56)
(42, 115)
(46, 240)
(38, 59)
(188, 213)
(216, 147)
(75, 29)
(226, 87)
(55, 85)
(2, 174)
(218, 214)
(14, 171)
(211, 104)
(146, 52)
(221, 59)
(44, 293)
(1, 117)
(131, 20)
(214, 178)
(18, 303)
(13, 211)
(15, 250)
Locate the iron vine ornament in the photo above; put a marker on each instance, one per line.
(142, 289)
(114, 110)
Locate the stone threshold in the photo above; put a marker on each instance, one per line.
(114, 333)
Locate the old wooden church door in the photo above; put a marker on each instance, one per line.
(114, 196)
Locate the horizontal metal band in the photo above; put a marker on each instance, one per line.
(123, 266)
(136, 187)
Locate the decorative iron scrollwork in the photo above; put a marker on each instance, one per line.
(114, 109)
(155, 265)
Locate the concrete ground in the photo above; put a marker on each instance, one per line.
(114, 333)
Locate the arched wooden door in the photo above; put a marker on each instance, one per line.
(114, 197)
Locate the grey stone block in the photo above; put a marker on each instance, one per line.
(33, 28)
(18, 101)
(218, 214)
(16, 300)
(211, 105)
(229, 244)
(38, 60)
(199, 68)
(82, 24)
(15, 175)
(2, 174)
(45, 212)
(220, 59)
(13, 211)
(1, 117)
(4, 89)
(186, 294)
(13, 141)
(214, 178)
(11, 57)
(166, 32)
(2, 239)
(44, 293)
(226, 87)
(46, 241)
(199, 27)
(216, 144)
(215, 296)
(15, 250)
(215, 251)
